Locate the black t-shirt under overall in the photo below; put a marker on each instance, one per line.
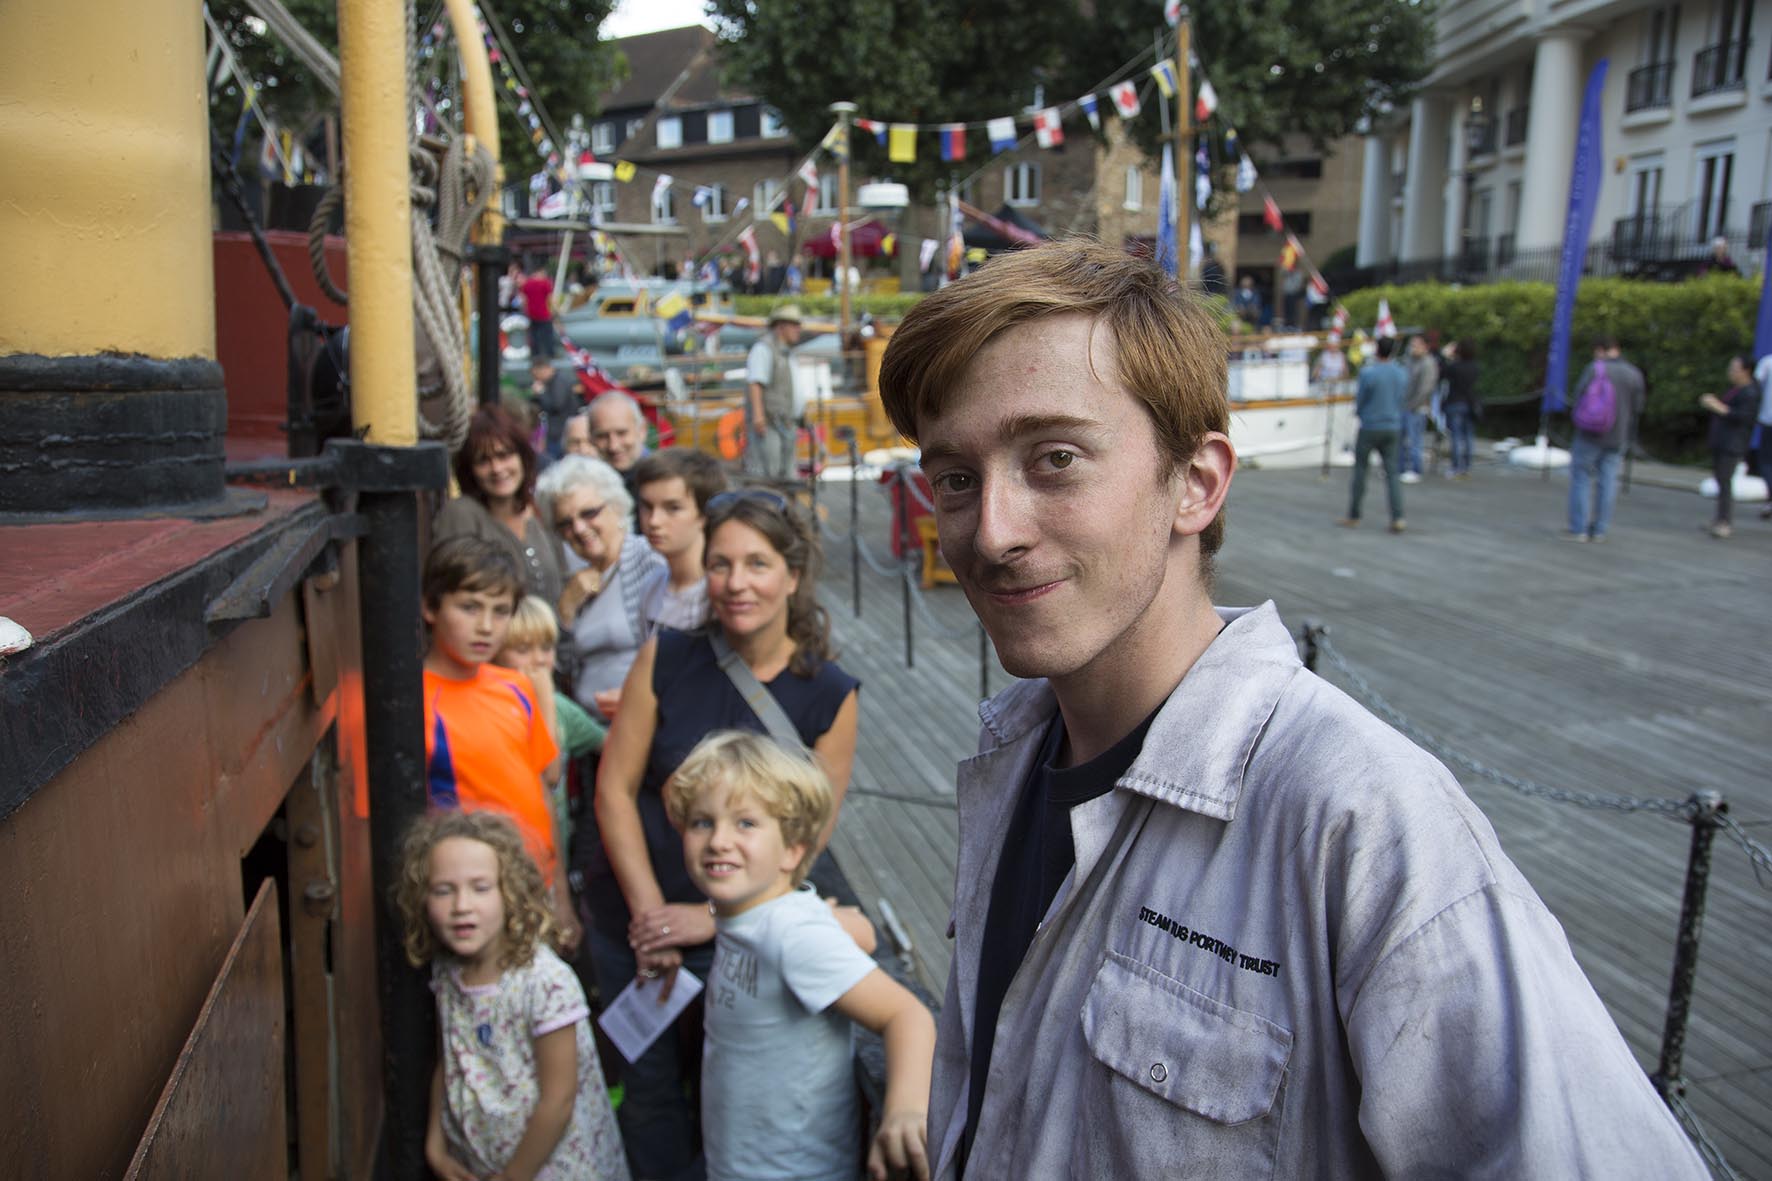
(1037, 855)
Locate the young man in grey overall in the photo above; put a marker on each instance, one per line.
(1212, 918)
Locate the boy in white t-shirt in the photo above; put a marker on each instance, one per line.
(778, 1094)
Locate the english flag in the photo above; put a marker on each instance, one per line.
(1048, 130)
(1385, 326)
(1126, 99)
(1205, 102)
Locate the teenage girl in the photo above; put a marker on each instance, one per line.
(518, 1093)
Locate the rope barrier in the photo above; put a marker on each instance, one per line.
(1660, 806)
(874, 793)
(944, 631)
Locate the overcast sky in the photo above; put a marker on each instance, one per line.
(645, 16)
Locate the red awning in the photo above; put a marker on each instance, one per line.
(864, 241)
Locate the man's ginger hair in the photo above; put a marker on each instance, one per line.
(1170, 353)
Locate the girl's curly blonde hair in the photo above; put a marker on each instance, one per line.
(527, 917)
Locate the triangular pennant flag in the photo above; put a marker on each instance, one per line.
(1002, 134)
(874, 127)
(703, 194)
(1339, 323)
(1245, 173)
(1172, 12)
(809, 173)
(1270, 213)
(1289, 254)
(1206, 102)
(1318, 290)
(889, 245)
(836, 141)
(1126, 99)
(660, 187)
(744, 203)
(780, 221)
(1202, 176)
(1385, 326)
(926, 253)
(1166, 244)
(1196, 246)
(1087, 103)
(1164, 73)
(624, 171)
(903, 143)
(1048, 130)
(953, 145)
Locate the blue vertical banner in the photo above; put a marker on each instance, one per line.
(1763, 326)
(1584, 194)
(1168, 250)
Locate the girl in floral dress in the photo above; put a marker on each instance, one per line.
(518, 1093)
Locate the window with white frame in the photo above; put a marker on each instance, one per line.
(1716, 175)
(670, 131)
(718, 206)
(1021, 184)
(719, 127)
(634, 126)
(602, 138)
(773, 127)
(763, 196)
(602, 194)
(825, 201)
(664, 207)
(1134, 188)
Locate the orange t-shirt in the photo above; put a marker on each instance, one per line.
(485, 749)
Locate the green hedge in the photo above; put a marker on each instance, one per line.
(1679, 334)
(884, 307)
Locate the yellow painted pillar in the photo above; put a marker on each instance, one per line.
(104, 180)
(378, 225)
(111, 402)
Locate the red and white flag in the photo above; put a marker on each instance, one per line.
(809, 173)
(1339, 322)
(1048, 130)
(1205, 102)
(1126, 99)
(1385, 326)
(1270, 213)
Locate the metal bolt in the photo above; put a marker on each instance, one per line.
(307, 836)
(1159, 1072)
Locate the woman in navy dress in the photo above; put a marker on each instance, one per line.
(645, 914)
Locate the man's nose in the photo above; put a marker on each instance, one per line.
(1004, 526)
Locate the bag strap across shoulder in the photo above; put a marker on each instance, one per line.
(759, 699)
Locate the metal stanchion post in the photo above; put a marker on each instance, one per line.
(854, 520)
(1309, 633)
(904, 540)
(489, 264)
(1707, 806)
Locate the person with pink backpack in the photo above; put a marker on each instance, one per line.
(1608, 402)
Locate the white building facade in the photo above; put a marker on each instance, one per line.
(1472, 181)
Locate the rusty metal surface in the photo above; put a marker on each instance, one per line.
(221, 1113)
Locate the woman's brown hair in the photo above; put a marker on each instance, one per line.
(492, 427)
(780, 523)
(1170, 353)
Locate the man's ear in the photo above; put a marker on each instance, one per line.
(1205, 480)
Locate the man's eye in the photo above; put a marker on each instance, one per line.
(1060, 459)
(952, 482)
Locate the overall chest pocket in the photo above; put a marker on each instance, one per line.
(1189, 1086)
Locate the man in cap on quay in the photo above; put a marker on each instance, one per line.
(769, 398)
(1211, 917)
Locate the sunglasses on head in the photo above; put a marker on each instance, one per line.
(726, 500)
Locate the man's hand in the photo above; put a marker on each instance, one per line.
(900, 1147)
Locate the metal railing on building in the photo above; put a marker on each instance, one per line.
(1759, 218)
(1649, 87)
(1481, 132)
(1720, 67)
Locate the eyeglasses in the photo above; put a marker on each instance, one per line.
(584, 516)
(726, 500)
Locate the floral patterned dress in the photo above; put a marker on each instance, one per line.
(489, 1076)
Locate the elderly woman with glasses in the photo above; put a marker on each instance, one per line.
(646, 916)
(601, 607)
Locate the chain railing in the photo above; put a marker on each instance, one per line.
(1706, 812)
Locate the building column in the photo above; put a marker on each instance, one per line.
(1455, 191)
(1550, 139)
(1375, 204)
(1424, 209)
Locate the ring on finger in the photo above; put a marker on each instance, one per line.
(649, 973)
(664, 929)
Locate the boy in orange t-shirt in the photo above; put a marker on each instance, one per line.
(486, 745)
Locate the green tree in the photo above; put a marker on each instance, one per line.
(1279, 67)
(556, 41)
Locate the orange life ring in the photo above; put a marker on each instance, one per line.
(730, 433)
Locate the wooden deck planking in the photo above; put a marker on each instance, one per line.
(1637, 668)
